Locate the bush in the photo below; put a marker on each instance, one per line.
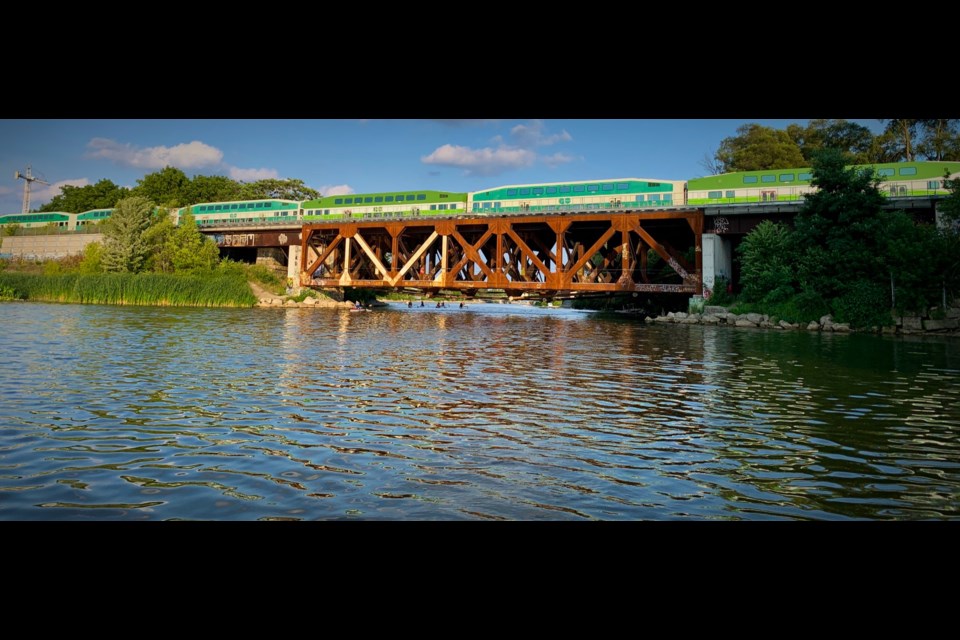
(863, 304)
(721, 296)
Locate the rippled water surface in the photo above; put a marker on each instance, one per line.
(490, 412)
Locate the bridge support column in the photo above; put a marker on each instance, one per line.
(293, 264)
(717, 260)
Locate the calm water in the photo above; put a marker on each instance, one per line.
(495, 411)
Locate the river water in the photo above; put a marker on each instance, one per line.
(489, 412)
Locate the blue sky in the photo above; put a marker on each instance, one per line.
(357, 156)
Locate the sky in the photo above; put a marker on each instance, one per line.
(359, 156)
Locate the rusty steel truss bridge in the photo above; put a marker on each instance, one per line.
(558, 255)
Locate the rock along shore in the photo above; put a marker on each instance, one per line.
(949, 324)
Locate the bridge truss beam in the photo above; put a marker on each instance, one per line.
(548, 255)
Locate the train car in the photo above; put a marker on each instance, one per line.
(389, 204)
(256, 212)
(94, 216)
(785, 185)
(623, 193)
(47, 219)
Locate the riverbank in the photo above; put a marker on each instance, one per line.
(142, 289)
(949, 324)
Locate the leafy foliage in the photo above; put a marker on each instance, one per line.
(766, 271)
(72, 199)
(125, 248)
(757, 147)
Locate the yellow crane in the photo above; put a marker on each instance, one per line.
(27, 177)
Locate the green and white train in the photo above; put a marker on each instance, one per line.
(625, 194)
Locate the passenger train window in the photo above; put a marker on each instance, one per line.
(538, 191)
(551, 189)
(607, 187)
(388, 199)
(368, 199)
(592, 187)
(668, 197)
(885, 172)
(564, 189)
(622, 186)
(378, 199)
(639, 197)
(806, 176)
(731, 194)
(525, 191)
(579, 188)
(768, 178)
(749, 179)
(713, 195)
(511, 192)
(786, 177)
(421, 196)
(338, 201)
(908, 171)
(654, 197)
(410, 198)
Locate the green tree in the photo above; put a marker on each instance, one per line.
(191, 249)
(949, 207)
(212, 189)
(853, 140)
(169, 187)
(939, 139)
(766, 270)
(757, 147)
(92, 258)
(124, 246)
(904, 133)
(289, 189)
(159, 239)
(71, 199)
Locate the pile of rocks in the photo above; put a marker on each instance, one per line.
(278, 301)
(950, 323)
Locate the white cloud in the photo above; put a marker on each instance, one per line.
(336, 189)
(481, 162)
(534, 135)
(556, 159)
(190, 155)
(251, 175)
(42, 193)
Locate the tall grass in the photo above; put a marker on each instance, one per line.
(158, 289)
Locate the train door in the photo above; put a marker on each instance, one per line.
(768, 196)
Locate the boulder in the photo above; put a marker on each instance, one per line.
(745, 323)
(691, 319)
(813, 326)
(841, 327)
(786, 325)
(828, 319)
(716, 311)
(766, 324)
(940, 325)
(679, 315)
(912, 323)
(888, 331)
(755, 318)
(663, 319)
(710, 319)
(310, 302)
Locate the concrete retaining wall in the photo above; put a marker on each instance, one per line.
(42, 247)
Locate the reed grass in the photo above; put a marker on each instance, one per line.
(149, 289)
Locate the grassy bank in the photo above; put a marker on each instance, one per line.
(160, 289)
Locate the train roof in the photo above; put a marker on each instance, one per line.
(921, 170)
(422, 196)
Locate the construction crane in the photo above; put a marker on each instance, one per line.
(27, 177)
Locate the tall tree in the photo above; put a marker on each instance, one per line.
(191, 250)
(168, 187)
(939, 139)
(756, 147)
(124, 245)
(904, 131)
(71, 199)
(289, 189)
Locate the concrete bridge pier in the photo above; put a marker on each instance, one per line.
(717, 260)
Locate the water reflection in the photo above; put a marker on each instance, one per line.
(490, 412)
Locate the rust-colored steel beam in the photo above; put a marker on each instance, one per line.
(547, 254)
